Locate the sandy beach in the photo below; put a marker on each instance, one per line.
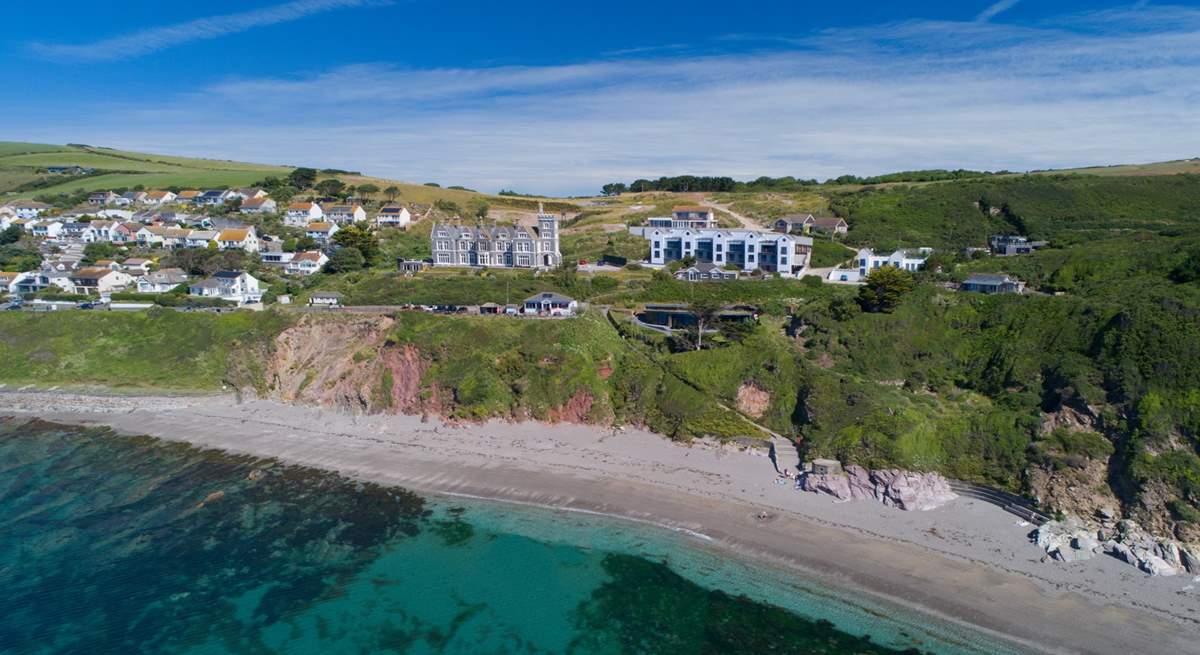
(967, 561)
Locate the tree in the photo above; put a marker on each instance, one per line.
(481, 211)
(367, 190)
(1187, 271)
(391, 192)
(360, 238)
(330, 187)
(98, 250)
(614, 189)
(12, 234)
(344, 260)
(885, 287)
(707, 313)
(302, 178)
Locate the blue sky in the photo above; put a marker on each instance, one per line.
(562, 97)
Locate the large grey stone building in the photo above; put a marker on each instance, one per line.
(498, 246)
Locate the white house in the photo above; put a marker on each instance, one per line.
(99, 280)
(48, 229)
(550, 304)
(201, 238)
(136, 265)
(747, 250)
(238, 239)
(300, 214)
(905, 260)
(393, 216)
(321, 232)
(259, 206)
(148, 236)
(160, 197)
(325, 299)
(161, 281)
(306, 263)
(132, 198)
(697, 217)
(345, 214)
(235, 286)
(252, 193)
(29, 209)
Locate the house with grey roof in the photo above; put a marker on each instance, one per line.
(705, 272)
(549, 303)
(161, 281)
(992, 283)
(499, 246)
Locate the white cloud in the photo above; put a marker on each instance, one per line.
(1095, 88)
(153, 39)
(996, 9)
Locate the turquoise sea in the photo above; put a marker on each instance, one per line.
(113, 544)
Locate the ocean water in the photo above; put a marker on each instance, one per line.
(114, 544)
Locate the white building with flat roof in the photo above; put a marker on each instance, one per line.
(746, 250)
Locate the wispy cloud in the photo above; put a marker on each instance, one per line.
(153, 39)
(1094, 88)
(995, 9)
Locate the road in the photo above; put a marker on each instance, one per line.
(746, 221)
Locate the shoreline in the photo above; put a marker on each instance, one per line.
(967, 563)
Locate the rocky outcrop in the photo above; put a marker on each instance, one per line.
(753, 400)
(1072, 540)
(906, 490)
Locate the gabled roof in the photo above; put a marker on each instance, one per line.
(187, 194)
(795, 219)
(256, 202)
(550, 296)
(92, 273)
(319, 227)
(207, 235)
(308, 256)
(342, 209)
(234, 234)
(989, 278)
(391, 209)
(229, 275)
(157, 195)
(300, 206)
(828, 221)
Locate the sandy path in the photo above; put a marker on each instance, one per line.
(969, 561)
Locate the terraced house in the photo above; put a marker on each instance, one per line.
(499, 246)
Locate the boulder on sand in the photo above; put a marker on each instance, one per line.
(892, 487)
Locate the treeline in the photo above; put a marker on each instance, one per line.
(685, 183)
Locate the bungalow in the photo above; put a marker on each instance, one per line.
(550, 304)
(77, 230)
(259, 206)
(905, 260)
(160, 197)
(325, 299)
(491, 308)
(235, 286)
(411, 266)
(114, 213)
(137, 265)
(321, 232)
(345, 214)
(213, 197)
(992, 283)
(29, 209)
(238, 239)
(96, 280)
(306, 263)
(705, 272)
(161, 281)
(300, 214)
(188, 197)
(828, 225)
(110, 264)
(101, 198)
(47, 229)
(793, 223)
(201, 238)
(393, 216)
